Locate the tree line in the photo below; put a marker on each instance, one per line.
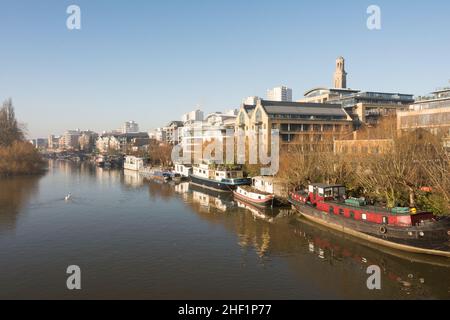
(411, 169)
(17, 156)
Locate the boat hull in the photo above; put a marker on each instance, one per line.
(432, 239)
(215, 185)
(268, 202)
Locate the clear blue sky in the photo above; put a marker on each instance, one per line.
(151, 61)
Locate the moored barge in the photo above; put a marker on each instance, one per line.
(222, 179)
(402, 228)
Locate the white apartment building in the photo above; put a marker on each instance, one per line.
(170, 133)
(70, 139)
(250, 101)
(196, 115)
(282, 93)
(130, 127)
(216, 126)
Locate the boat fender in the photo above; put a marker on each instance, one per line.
(383, 230)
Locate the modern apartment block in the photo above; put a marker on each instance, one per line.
(70, 140)
(301, 123)
(53, 142)
(365, 107)
(113, 142)
(130, 127)
(170, 133)
(429, 113)
(216, 126)
(251, 101)
(280, 94)
(438, 99)
(193, 116)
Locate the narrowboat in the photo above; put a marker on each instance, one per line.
(254, 196)
(399, 228)
(219, 178)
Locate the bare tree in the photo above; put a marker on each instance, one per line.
(10, 130)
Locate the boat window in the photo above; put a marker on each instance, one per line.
(364, 216)
(331, 210)
(341, 212)
(352, 214)
(385, 220)
(321, 192)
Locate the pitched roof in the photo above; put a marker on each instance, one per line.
(300, 108)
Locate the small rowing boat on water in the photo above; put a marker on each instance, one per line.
(254, 196)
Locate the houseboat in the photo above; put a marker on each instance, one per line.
(399, 228)
(220, 178)
(133, 163)
(183, 170)
(254, 196)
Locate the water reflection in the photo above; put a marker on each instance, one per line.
(118, 227)
(280, 233)
(15, 194)
(132, 179)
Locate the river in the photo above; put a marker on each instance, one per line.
(136, 239)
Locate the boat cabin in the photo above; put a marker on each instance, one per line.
(321, 192)
(184, 170)
(133, 163)
(271, 185)
(221, 174)
(332, 200)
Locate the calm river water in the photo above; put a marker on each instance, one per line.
(143, 240)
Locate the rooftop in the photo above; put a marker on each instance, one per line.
(301, 108)
(344, 90)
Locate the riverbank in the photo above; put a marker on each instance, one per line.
(21, 158)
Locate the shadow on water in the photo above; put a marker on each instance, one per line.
(15, 194)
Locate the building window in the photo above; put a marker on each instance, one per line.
(258, 116)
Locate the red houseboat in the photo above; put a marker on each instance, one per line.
(400, 228)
